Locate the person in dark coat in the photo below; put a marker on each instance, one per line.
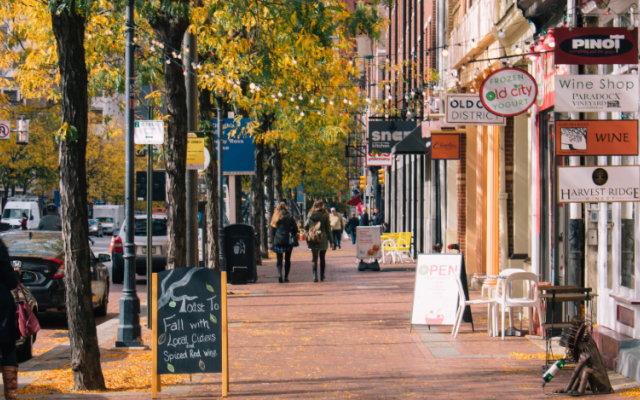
(376, 218)
(351, 227)
(319, 213)
(8, 328)
(51, 221)
(285, 230)
(364, 217)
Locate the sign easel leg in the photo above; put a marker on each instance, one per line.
(155, 378)
(225, 343)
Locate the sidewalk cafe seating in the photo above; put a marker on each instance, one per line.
(504, 293)
(491, 323)
(396, 246)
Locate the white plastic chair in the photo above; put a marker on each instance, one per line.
(504, 300)
(389, 249)
(462, 305)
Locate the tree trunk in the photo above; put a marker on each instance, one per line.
(277, 163)
(170, 30)
(68, 28)
(270, 199)
(212, 250)
(257, 198)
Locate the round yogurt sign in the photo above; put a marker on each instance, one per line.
(508, 92)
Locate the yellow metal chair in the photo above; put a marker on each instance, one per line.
(396, 245)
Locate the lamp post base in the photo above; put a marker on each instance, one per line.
(129, 330)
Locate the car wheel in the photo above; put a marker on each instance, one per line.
(102, 310)
(25, 352)
(117, 271)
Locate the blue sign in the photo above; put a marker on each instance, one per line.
(238, 157)
(300, 194)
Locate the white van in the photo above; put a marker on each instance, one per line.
(15, 207)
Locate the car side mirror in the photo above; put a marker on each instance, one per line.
(103, 258)
(31, 218)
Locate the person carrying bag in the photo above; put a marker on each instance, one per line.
(318, 236)
(285, 233)
(9, 332)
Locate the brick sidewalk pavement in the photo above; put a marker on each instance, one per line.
(348, 337)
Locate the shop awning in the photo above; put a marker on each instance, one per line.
(414, 143)
(354, 201)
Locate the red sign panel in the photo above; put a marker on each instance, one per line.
(597, 138)
(586, 46)
(445, 146)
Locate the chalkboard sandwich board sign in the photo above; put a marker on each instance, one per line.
(188, 321)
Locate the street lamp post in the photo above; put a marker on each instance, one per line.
(129, 334)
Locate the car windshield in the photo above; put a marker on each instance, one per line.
(34, 244)
(14, 213)
(93, 222)
(159, 227)
(105, 219)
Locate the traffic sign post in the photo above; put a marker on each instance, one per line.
(5, 130)
(148, 132)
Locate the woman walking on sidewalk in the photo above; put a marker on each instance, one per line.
(318, 230)
(337, 226)
(8, 327)
(285, 232)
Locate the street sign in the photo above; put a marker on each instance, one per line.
(599, 184)
(207, 160)
(5, 130)
(596, 93)
(195, 153)
(597, 138)
(238, 147)
(467, 109)
(598, 45)
(148, 132)
(508, 92)
(445, 146)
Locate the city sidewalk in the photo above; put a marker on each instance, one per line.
(347, 337)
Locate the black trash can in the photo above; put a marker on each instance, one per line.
(239, 250)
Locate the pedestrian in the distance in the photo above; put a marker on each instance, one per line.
(8, 328)
(351, 225)
(51, 221)
(319, 236)
(24, 221)
(285, 238)
(337, 226)
(376, 218)
(364, 217)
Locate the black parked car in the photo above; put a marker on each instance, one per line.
(40, 257)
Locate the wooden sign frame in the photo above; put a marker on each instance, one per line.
(156, 383)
